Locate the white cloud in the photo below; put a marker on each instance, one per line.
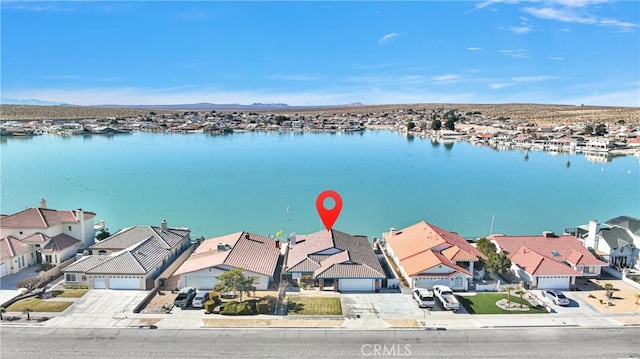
(474, 48)
(555, 58)
(532, 78)
(446, 78)
(570, 15)
(518, 54)
(388, 37)
(520, 29)
(499, 85)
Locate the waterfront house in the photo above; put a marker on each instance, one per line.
(617, 241)
(37, 235)
(132, 258)
(257, 255)
(427, 255)
(333, 258)
(548, 261)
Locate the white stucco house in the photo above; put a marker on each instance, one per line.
(40, 234)
(257, 255)
(617, 240)
(132, 258)
(427, 255)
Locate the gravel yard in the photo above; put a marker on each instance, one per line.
(624, 297)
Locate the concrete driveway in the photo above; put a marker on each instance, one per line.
(100, 308)
(382, 306)
(576, 306)
(8, 288)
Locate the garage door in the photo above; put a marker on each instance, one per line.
(356, 285)
(3, 269)
(553, 283)
(99, 282)
(124, 282)
(428, 283)
(200, 282)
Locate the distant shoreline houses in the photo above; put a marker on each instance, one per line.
(421, 255)
(597, 139)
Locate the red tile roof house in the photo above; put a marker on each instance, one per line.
(345, 261)
(427, 255)
(257, 255)
(548, 261)
(132, 258)
(37, 235)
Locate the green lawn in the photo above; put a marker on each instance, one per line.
(313, 306)
(485, 303)
(70, 293)
(38, 305)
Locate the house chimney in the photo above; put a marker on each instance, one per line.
(547, 234)
(392, 232)
(594, 228)
(292, 239)
(163, 224)
(246, 236)
(83, 235)
(43, 203)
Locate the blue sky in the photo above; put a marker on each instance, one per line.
(322, 53)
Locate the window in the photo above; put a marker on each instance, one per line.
(256, 280)
(70, 277)
(102, 252)
(69, 228)
(48, 258)
(458, 282)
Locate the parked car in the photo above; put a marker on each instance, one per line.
(424, 298)
(185, 296)
(199, 299)
(446, 297)
(557, 297)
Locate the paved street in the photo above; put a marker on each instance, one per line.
(17, 343)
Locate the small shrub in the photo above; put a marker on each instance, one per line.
(209, 306)
(76, 287)
(45, 266)
(237, 308)
(262, 306)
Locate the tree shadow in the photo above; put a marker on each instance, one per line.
(294, 307)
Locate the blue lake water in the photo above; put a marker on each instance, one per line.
(266, 182)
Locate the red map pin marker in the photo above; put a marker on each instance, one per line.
(329, 216)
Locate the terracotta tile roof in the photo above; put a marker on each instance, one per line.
(423, 261)
(537, 264)
(58, 243)
(252, 252)
(41, 218)
(36, 238)
(334, 254)
(564, 246)
(423, 246)
(11, 247)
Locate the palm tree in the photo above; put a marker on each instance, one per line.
(2, 310)
(521, 292)
(508, 288)
(27, 311)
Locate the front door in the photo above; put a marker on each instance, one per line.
(38, 257)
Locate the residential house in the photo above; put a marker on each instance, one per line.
(333, 258)
(427, 255)
(617, 240)
(257, 255)
(37, 235)
(132, 258)
(548, 261)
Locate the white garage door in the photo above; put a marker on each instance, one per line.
(3, 269)
(99, 282)
(356, 285)
(124, 282)
(553, 283)
(200, 282)
(428, 283)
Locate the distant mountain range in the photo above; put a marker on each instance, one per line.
(191, 106)
(13, 101)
